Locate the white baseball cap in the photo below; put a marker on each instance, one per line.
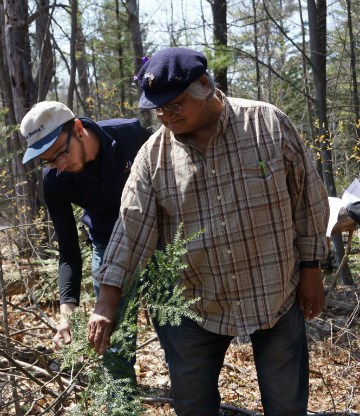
(42, 125)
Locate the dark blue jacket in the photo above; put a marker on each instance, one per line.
(97, 189)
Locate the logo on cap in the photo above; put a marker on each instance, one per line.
(37, 130)
(150, 77)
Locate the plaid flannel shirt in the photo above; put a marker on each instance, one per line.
(259, 199)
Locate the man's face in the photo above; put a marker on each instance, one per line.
(66, 154)
(183, 115)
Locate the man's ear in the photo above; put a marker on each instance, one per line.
(78, 127)
(204, 81)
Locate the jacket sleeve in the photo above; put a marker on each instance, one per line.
(70, 262)
(142, 133)
(135, 235)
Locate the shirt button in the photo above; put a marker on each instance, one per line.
(223, 223)
(238, 302)
(233, 277)
(213, 171)
(229, 252)
(218, 197)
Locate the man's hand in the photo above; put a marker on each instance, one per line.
(101, 322)
(311, 294)
(63, 334)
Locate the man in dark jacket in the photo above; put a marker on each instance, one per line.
(86, 164)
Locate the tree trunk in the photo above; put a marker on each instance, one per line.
(98, 112)
(353, 64)
(317, 29)
(19, 56)
(132, 9)
(120, 51)
(44, 48)
(258, 87)
(23, 96)
(219, 12)
(82, 70)
(307, 90)
(73, 37)
(9, 211)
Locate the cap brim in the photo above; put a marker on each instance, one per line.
(41, 146)
(156, 100)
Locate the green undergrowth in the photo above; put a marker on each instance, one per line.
(105, 391)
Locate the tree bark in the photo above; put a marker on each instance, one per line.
(120, 51)
(353, 63)
(317, 11)
(132, 9)
(219, 12)
(10, 120)
(307, 91)
(258, 87)
(82, 70)
(44, 48)
(23, 96)
(73, 37)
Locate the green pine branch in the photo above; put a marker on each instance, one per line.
(157, 287)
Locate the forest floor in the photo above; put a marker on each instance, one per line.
(334, 349)
(334, 361)
(334, 346)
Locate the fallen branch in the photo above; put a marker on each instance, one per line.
(339, 305)
(147, 342)
(43, 317)
(21, 365)
(342, 265)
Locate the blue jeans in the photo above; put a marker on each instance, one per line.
(281, 359)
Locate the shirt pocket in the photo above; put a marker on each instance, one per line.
(266, 180)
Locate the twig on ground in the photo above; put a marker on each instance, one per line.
(147, 342)
(342, 265)
(43, 317)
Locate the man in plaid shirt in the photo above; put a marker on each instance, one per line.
(238, 169)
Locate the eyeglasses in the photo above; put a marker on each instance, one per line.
(61, 157)
(175, 108)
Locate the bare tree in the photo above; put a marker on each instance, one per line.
(219, 12)
(309, 101)
(317, 11)
(19, 82)
(73, 37)
(353, 65)
(257, 66)
(132, 9)
(82, 69)
(120, 51)
(44, 49)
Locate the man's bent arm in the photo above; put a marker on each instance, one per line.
(101, 321)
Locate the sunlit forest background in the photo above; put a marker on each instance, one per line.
(302, 56)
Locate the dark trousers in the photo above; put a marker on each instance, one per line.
(281, 358)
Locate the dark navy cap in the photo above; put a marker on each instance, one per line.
(167, 74)
(353, 210)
